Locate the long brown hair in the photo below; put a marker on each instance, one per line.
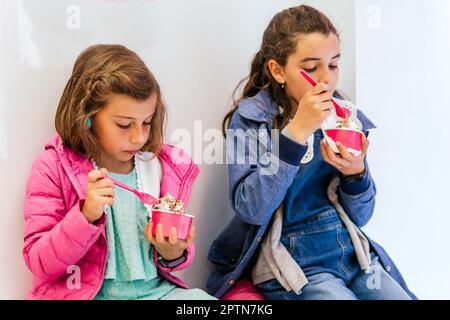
(279, 42)
(100, 71)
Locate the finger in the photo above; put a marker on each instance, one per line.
(319, 88)
(105, 200)
(159, 233)
(146, 228)
(335, 160)
(94, 175)
(344, 153)
(326, 107)
(103, 183)
(324, 152)
(191, 238)
(173, 236)
(148, 232)
(365, 145)
(325, 96)
(104, 172)
(104, 192)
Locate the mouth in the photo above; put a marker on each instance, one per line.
(132, 152)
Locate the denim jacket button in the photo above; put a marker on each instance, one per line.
(259, 239)
(231, 282)
(388, 268)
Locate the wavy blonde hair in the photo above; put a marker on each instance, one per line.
(100, 71)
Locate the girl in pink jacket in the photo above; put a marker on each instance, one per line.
(84, 238)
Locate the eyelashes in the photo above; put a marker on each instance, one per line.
(315, 68)
(147, 124)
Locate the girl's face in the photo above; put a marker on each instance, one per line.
(319, 56)
(122, 128)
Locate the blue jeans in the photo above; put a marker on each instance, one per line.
(322, 247)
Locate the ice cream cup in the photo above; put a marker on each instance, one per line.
(169, 219)
(350, 138)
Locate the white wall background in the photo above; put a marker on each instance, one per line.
(403, 63)
(198, 50)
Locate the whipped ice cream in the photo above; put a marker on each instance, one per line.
(350, 125)
(169, 203)
(346, 123)
(352, 122)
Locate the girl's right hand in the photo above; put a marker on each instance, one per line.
(312, 110)
(100, 192)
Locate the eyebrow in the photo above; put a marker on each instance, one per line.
(131, 118)
(318, 59)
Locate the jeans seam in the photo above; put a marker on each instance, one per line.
(341, 260)
(315, 229)
(292, 241)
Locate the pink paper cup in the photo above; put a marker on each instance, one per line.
(350, 138)
(169, 219)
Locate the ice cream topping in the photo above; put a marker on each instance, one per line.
(169, 203)
(346, 123)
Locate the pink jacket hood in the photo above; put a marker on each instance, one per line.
(60, 246)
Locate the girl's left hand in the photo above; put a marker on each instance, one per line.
(346, 163)
(171, 247)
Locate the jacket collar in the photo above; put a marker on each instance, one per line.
(261, 107)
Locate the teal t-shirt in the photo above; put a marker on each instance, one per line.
(130, 270)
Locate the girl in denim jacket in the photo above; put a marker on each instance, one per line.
(293, 173)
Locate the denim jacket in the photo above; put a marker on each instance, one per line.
(262, 165)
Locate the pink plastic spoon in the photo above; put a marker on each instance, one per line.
(145, 197)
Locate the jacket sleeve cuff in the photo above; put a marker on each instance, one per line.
(170, 264)
(78, 229)
(290, 151)
(179, 263)
(356, 187)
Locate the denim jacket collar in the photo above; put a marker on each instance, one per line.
(261, 107)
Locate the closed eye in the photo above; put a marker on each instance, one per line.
(123, 127)
(128, 125)
(311, 70)
(332, 67)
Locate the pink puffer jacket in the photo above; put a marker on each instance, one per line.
(59, 243)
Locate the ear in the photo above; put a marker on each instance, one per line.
(276, 71)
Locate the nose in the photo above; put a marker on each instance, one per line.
(325, 77)
(138, 137)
